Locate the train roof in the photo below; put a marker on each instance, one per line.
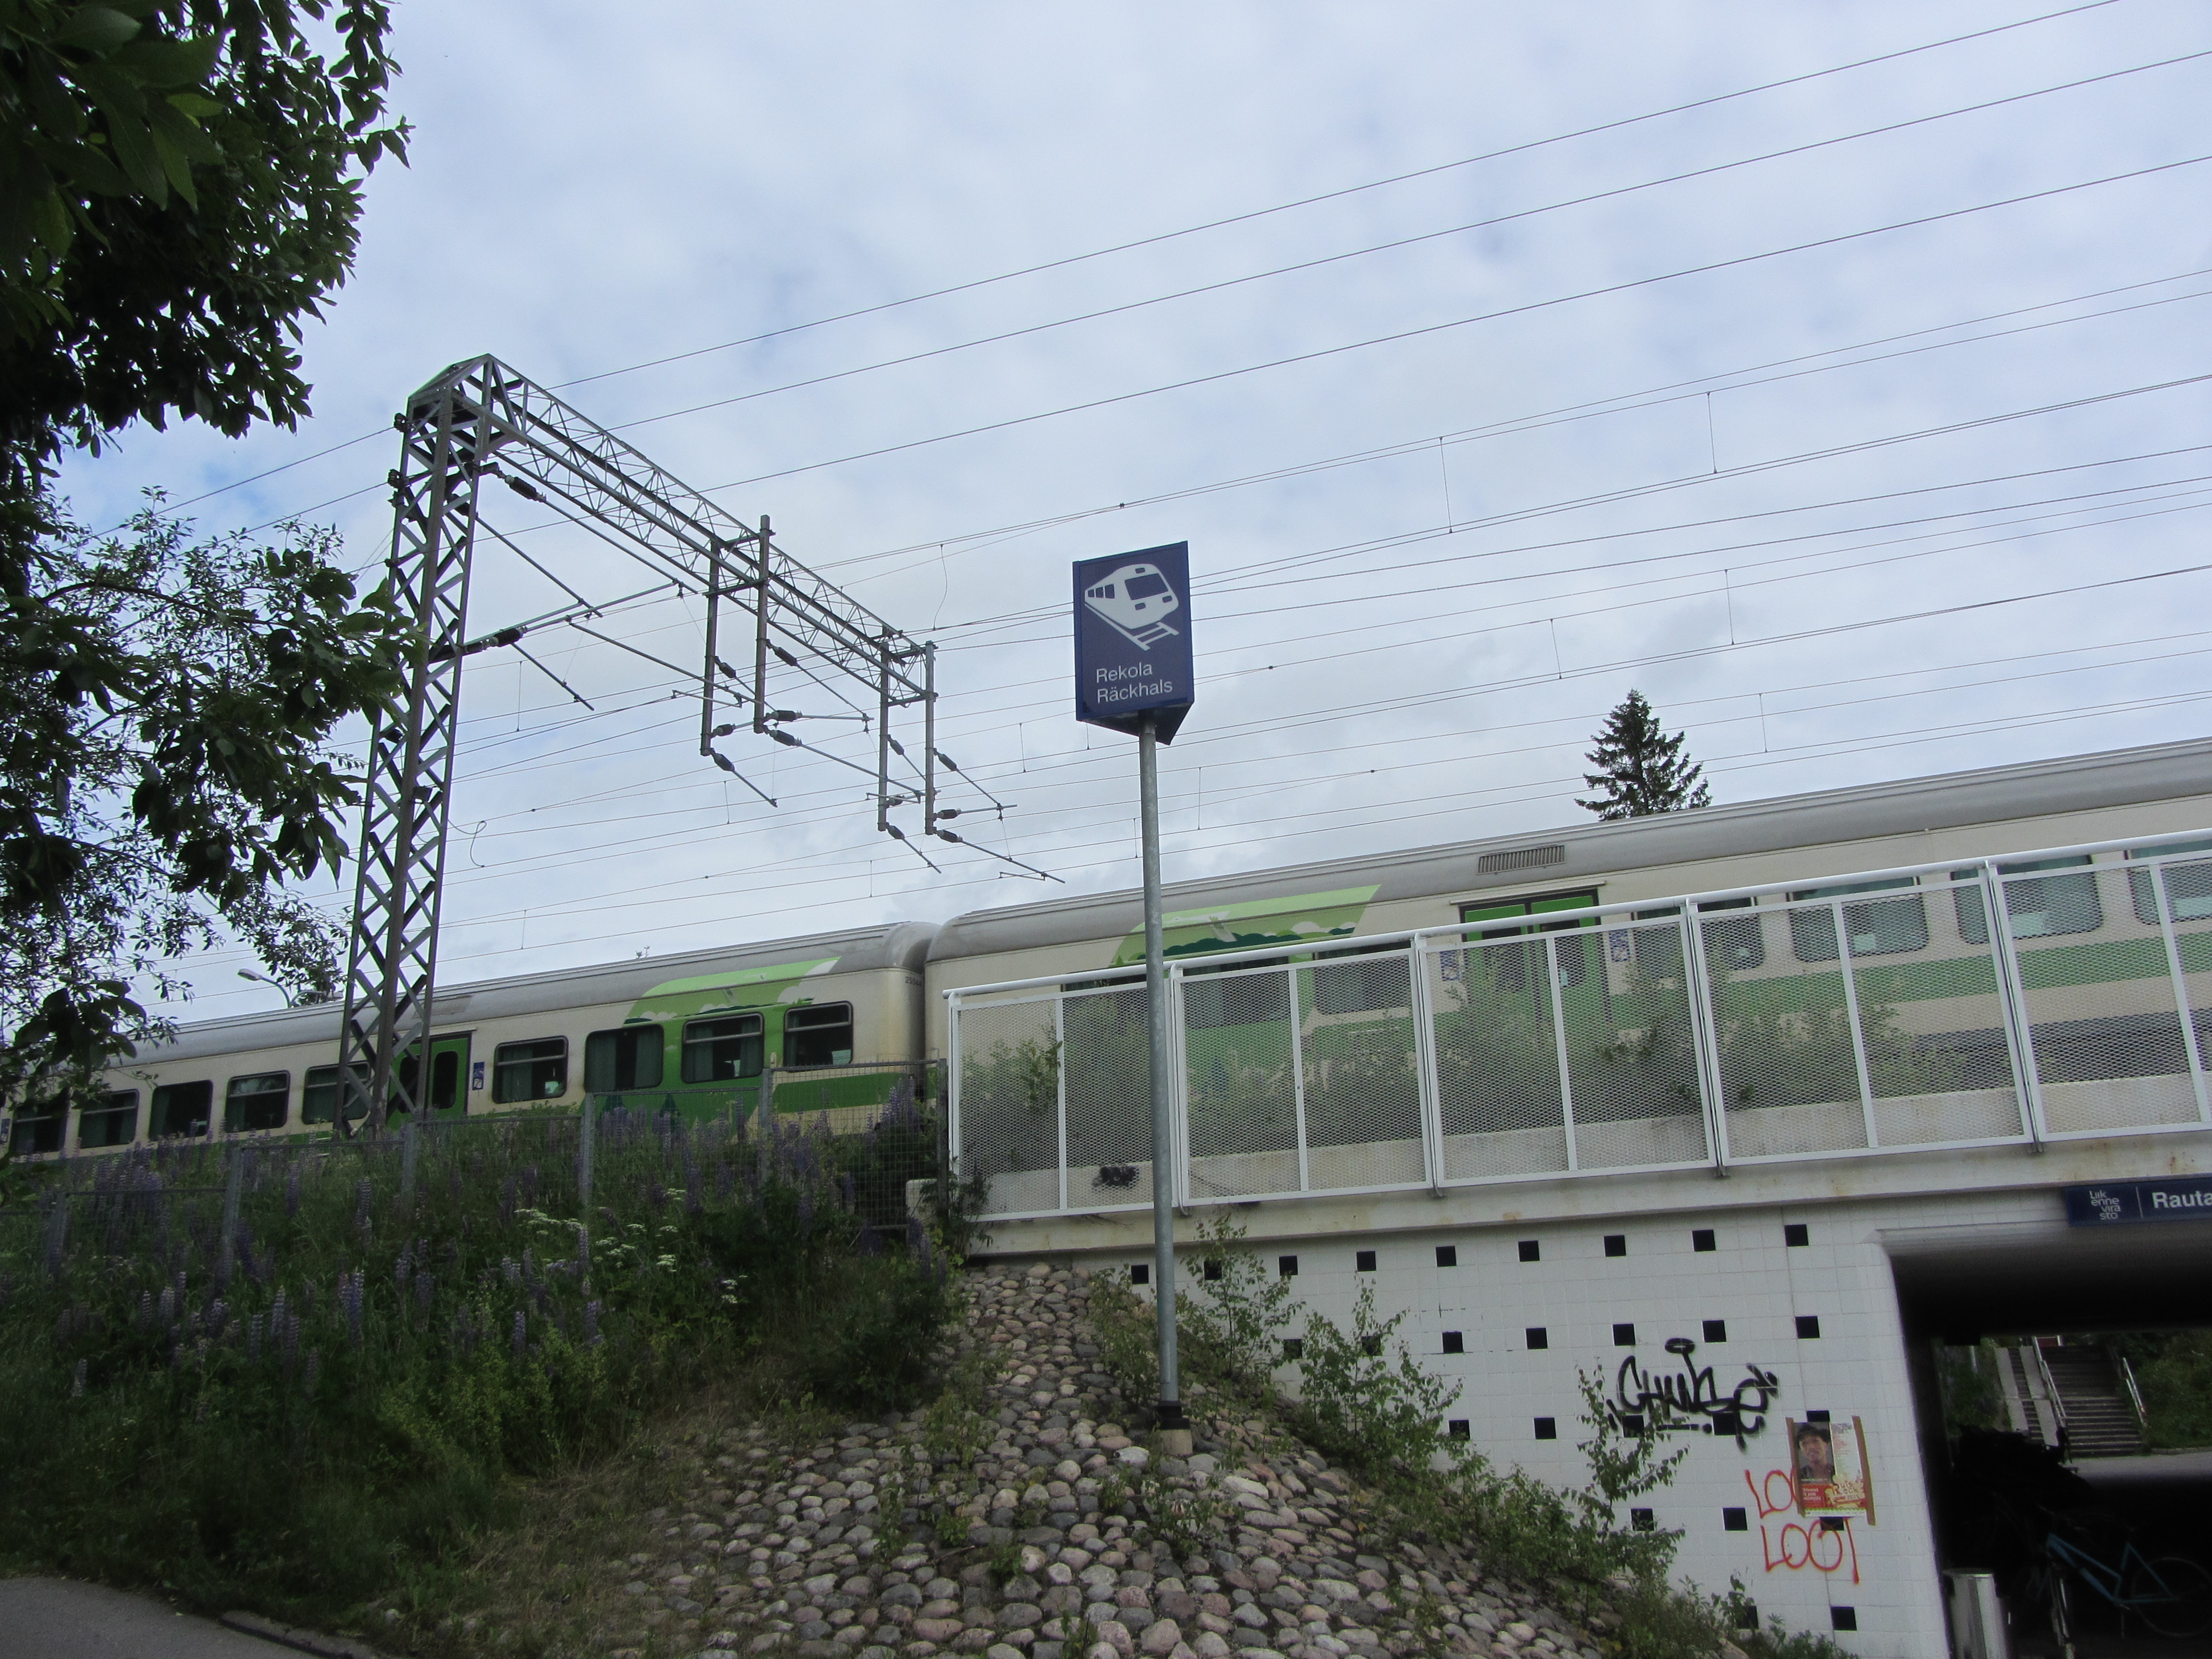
(1864, 811)
(892, 944)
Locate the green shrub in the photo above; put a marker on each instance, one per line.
(341, 1394)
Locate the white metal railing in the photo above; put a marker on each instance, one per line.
(2021, 999)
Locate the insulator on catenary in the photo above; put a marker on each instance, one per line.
(946, 761)
(897, 748)
(948, 811)
(945, 834)
(721, 759)
(724, 731)
(786, 737)
(784, 655)
(526, 490)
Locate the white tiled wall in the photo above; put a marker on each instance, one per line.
(1873, 1586)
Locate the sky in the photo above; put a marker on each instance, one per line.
(1837, 375)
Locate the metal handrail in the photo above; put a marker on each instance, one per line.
(2050, 1388)
(2135, 1395)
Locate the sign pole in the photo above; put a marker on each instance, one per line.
(1170, 1416)
(1134, 673)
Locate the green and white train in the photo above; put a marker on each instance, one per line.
(830, 1023)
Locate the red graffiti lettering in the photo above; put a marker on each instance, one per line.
(1795, 1545)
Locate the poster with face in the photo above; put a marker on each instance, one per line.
(1829, 1467)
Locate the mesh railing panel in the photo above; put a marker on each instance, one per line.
(2101, 1012)
(1240, 1063)
(1933, 1026)
(1360, 1065)
(1790, 1077)
(1106, 1061)
(1009, 1064)
(1634, 1093)
(1498, 1068)
(2188, 884)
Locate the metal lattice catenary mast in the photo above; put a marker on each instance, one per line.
(480, 420)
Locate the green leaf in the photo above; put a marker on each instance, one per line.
(176, 165)
(184, 133)
(96, 28)
(160, 62)
(88, 168)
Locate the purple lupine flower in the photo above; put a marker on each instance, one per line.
(403, 1270)
(363, 1194)
(76, 1387)
(277, 1315)
(722, 1178)
(168, 1304)
(218, 1317)
(507, 1202)
(806, 1211)
(529, 1264)
(425, 1286)
(350, 1289)
(176, 1351)
(291, 1343)
(590, 1324)
(314, 1372)
(253, 1339)
(510, 1270)
(521, 1333)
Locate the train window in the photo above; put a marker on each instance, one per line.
(1511, 969)
(318, 1094)
(1215, 997)
(181, 1108)
(2188, 885)
(1878, 927)
(627, 1059)
(255, 1103)
(1731, 942)
(2050, 904)
(717, 1050)
(38, 1127)
(113, 1122)
(1375, 986)
(820, 1034)
(537, 1070)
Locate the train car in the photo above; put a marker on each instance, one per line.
(829, 1022)
(1565, 977)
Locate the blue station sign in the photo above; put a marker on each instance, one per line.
(2124, 1203)
(1133, 654)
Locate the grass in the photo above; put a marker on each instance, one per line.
(307, 1378)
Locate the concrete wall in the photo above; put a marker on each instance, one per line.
(1688, 1250)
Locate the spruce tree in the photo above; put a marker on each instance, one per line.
(1640, 770)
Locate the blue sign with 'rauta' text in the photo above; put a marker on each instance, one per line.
(2118, 1203)
(1132, 655)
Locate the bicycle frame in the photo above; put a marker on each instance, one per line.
(2107, 1580)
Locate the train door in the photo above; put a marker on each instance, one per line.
(1518, 973)
(447, 1093)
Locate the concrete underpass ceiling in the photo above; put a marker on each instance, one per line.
(1964, 1283)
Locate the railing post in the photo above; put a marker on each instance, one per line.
(951, 1107)
(1851, 1012)
(2019, 1031)
(1060, 1090)
(2187, 1015)
(1298, 1075)
(1705, 1033)
(1178, 1091)
(1550, 944)
(1421, 1005)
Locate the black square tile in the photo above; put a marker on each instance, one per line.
(1717, 1330)
(1623, 1335)
(1212, 1269)
(1797, 1233)
(1455, 1342)
(1140, 1274)
(1363, 1261)
(1456, 1428)
(1547, 1428)
(1448, 1255)
(1746, 1615)
(1530, 1251)
(1735, 1520)
(1538, 1337)
(1643, 1521)
(1287, 1266)
(1844, 1617)
(1294, 1348)
(1808, 1326)
(1702, 1241)
(1616, 1243)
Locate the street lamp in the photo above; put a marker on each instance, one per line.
(264, 979)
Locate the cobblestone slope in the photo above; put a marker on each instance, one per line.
(1033, 1528)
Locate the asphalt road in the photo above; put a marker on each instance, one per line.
(59, 1619)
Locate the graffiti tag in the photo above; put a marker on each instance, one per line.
(1827, 1547)
(1690, 1401)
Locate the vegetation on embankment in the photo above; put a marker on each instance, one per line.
(337, 1399)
